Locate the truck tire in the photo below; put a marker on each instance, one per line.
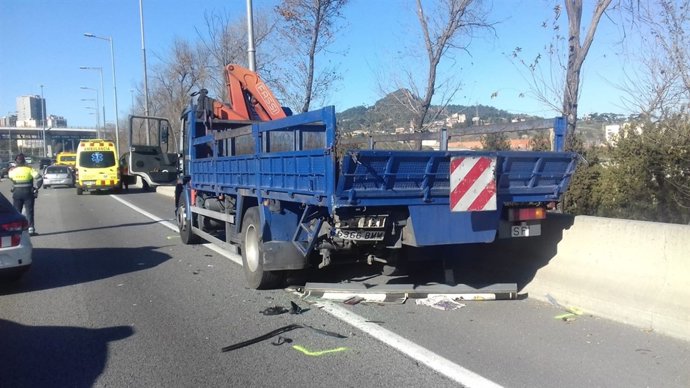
(79, 191)
(184, 224)
(252, 250)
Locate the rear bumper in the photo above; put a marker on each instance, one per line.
(92, 186)
(58, 182)
(16, 258)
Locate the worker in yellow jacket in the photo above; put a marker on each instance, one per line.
(25, 184)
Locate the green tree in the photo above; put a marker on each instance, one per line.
(648, 175)
(495, 141)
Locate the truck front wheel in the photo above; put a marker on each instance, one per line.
(184, 224)
(252, 253)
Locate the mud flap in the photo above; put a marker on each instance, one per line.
(282, 255)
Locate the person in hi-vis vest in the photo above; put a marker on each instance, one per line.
(25, 184)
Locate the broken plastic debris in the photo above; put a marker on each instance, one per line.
(317, 353)
(295, 309)
(440, 302)
(354, 300)
(275, 310)
(281, 340)
(571, 311)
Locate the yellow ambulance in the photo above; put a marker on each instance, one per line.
(66, 159)
(97, 166)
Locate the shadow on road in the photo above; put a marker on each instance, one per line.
(54, 356)
(53, 268)
(101, 227)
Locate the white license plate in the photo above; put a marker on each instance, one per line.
(365, 235)
(89, 183)
(525, 230)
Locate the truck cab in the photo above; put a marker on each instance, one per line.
(147, 157)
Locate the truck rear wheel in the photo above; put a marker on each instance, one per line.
(79, 190)
(252, 253)
(184, 224)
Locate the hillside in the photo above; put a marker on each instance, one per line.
(390, 113)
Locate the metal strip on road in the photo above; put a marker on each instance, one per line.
(418, 353)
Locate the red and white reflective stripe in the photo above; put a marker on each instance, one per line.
(472, 183)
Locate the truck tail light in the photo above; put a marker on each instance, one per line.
(526, 213)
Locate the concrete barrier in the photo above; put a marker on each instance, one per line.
(629, 271)
(632, 272)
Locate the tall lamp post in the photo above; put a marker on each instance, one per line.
(146, 81)
(43, 121)
(100, 70)
(112, 58)
(98, 120)
(96, 113)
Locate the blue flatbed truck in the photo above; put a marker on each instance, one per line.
(288, 195)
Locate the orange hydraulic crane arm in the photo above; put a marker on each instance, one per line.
(250, 98)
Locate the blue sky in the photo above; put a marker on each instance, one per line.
(42, 43)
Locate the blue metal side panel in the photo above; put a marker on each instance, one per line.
(376, 177)
(282, 175)
(437, 225)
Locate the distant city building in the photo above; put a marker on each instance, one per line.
(8, 121)
(56, 121)
(456, 118)
(30, 111)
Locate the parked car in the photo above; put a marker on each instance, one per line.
(15, 242)
(58, 176)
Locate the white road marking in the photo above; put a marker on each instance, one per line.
(235, 258)
(418, 353)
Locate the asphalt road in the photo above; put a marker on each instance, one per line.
(115, 299)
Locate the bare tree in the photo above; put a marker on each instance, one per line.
(175, 78)
(561, 80)
(577, 52)
(660, 86)
(224, 41)
(309, 26)
(451, 25)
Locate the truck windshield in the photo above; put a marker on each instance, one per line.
(96, 159)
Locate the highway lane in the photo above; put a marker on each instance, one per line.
(114, 299)
(165, 309)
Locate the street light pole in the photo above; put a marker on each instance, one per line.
(100, 70)
(98, 120)
(112, 58)
(43, 121)
(146, 81)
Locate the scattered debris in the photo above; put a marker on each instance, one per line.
(317, 353)
(264, 337)
(440, 302)
(279, 331)
(295, 309)
(196, 272)
(325, 332)
(281, 340)
(275, 310)
(571, 311)
(354, 300)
